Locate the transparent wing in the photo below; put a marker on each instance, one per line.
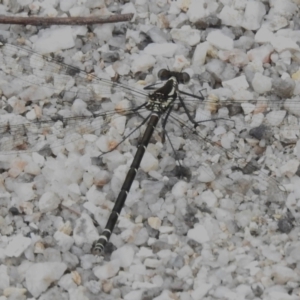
(230, 163)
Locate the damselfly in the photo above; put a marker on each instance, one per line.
(54, 108)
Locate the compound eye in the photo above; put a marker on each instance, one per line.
(184, 78)
(163, 74)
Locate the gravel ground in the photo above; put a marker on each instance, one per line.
(228, 229)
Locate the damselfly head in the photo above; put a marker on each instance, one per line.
(182, 77)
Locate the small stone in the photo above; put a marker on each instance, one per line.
(281, 43)
(198, 234)
(186, 34)
(4, 278)
(152, 263)
(142, 63)
(134, 295)
(206, 174)
(154, 222)
(231, 16)
(200, 54)
(219, 40)
(283, 87)
(253, 16)
(290, 168)
(285, 226)
(85, 231)
(17, 246)
(263, 35)
(125, 254)
(199, 9)
(76, 277)
(261, 84)
(39, 276)
(53, 40)
(164, 49)
(236, 84)
(185, 272)
(281, 274)
(17, 293)
(201, 290)
(276, 117)
(179, 189)
(292, 106)
(261, 54)
(209, 198)
(258, 132)
(108, 270)
(48, 202)
(67, 5)
(65, 242)
(149, 162)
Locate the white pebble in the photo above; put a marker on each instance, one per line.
(227, 139)
(283, 274)
(85, 231)
(276, 117)
(201, 290)
(257, 120)
(209, 198)
(254, 13)
(154, 222)
(219, 40)
(200, 54)
(166, 229)
(4, 278)
(179, 189)
(32, 169)
(292, 107)
(142, 63)
(261, 54)
(163, 49)
(261, 84)
(31, 115)
(38, 159)
(198, 234)
(137, 269)
(40, 276)
(119, 123)
(231, 16)
(236, 84)
(48, 202)
(284, 8)
(66, 282)
(247, 108)
(281, 43)
(53, 40)
(95, 196)
(199, 9)
(152, 263)
(64, 241)
(108, 270)
(149, 162)
(134, 295)
(185, 272)
(25, 191)
(66, 5)
(125, 254)
(186, 34)
(206, 174)
(17, 246)
(290, 168)
(263, 35)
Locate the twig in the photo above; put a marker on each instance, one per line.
(46, 21)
